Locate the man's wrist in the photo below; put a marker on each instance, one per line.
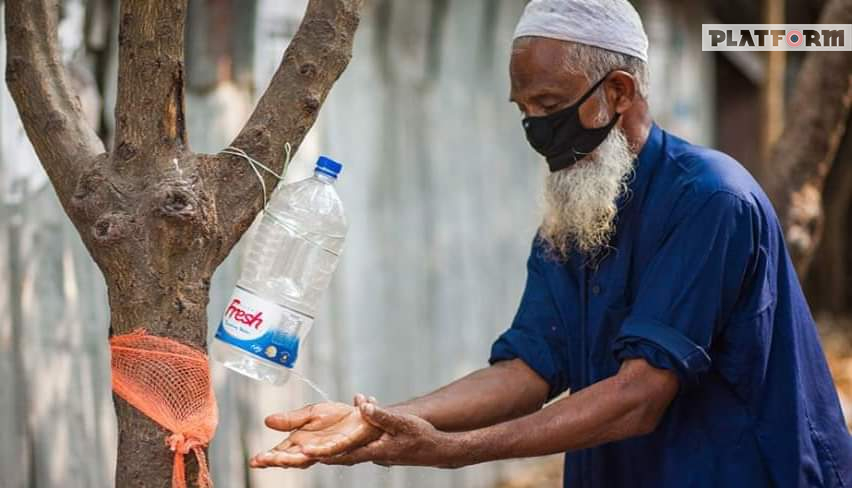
(462, 449)
(458, 449)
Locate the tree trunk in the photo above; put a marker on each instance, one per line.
(157, 218)
(829, 279)
(803, 155)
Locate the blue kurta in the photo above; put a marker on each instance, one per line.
(699, 282)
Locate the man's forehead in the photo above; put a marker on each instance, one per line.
(541, 64)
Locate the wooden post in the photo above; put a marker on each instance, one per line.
(772, 90)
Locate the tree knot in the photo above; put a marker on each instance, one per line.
(125, 151)
(312, 104)
(308, 70)
(178, 203)
(110, 226)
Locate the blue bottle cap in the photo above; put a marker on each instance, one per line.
(328, 166)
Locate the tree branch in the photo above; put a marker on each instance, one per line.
(150, 75)
(805, 152)
(50, 111)
(314, 60)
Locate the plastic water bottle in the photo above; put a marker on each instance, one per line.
(288, 266)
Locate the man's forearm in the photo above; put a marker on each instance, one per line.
(505, 391)
(619, 407)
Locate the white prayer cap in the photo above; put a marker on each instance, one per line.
(610, 24)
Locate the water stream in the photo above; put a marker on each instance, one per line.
(311, 384)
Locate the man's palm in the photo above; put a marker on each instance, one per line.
(320, 430)
(335, 428)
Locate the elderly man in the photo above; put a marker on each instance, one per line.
(659, 292)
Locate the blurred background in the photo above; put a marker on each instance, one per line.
(442, 194)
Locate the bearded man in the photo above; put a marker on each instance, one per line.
(659, 292)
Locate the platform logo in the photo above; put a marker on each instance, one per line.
(776, 37)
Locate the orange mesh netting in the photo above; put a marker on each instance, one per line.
(170, 383)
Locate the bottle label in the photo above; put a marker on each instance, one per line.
(262, 328)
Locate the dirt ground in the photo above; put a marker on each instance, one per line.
(837, 342)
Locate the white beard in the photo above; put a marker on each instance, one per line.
(581, 201)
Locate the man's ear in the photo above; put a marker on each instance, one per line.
(621, 90)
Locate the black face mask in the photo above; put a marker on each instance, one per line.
(561, 138)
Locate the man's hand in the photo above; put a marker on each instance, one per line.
(320, 430)
(407, 440)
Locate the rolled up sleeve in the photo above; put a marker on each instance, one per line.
(536, 336)
(690, 288)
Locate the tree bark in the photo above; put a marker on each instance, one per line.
(150, 74)
(156, 218)
(803, 155)
(829, 279)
